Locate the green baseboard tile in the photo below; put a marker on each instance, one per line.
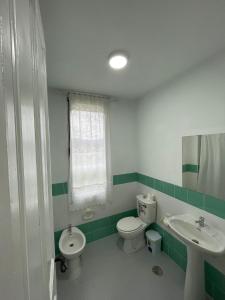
(97, 229)
(215, 282)
(176, 250)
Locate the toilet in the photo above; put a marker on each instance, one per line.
(131, 229)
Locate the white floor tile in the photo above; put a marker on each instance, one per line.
(110, 274)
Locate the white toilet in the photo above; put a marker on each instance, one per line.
(71, 245)
(131, 229)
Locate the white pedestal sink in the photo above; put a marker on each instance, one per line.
(199, 240)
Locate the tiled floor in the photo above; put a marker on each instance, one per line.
(110, 274)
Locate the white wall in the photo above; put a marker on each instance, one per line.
(192, 104)
(123, 153)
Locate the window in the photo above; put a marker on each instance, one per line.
(89, 152)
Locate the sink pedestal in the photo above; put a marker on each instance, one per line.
(194, 282)
(74, 268)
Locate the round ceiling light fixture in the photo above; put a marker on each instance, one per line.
(118, 60)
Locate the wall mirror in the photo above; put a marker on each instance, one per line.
(203, 164)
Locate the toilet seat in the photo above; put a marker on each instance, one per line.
(130, 224)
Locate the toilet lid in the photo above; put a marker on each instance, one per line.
(129, 224)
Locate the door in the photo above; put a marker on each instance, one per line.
(26, 227)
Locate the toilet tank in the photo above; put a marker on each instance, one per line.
(146, 208)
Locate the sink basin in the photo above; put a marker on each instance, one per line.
(72, 245)
(206, 239)
(199, 241)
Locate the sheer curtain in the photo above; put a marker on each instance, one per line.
(90, 173)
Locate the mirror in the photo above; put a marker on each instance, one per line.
(203, 164)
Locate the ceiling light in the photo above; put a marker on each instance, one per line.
(118, 60)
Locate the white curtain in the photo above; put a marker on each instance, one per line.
(90, 173)
(212, 165)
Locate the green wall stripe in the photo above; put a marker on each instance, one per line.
(59, 188)
(124, 178)
(62, 187)
(97, 229)
(190, 168)
(205, 202)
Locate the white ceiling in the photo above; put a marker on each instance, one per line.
(163, 38)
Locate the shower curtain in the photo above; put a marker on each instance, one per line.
(211, 178)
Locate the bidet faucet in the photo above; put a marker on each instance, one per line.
(201, 222)
(70, 229)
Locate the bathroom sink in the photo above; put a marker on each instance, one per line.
(199, 240)
(205, 239)
(71, 244)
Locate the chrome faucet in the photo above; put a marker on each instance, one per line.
(70, 229)
(201, 222)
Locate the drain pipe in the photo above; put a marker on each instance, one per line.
(62, 261)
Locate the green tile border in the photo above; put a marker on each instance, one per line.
(190, 168)
(208, 203)
(61, 188)
(124, 178)
(97, 229)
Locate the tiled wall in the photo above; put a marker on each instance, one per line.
(215, 280)
(172, 246)
(208, 203)
(101, 227)
(205, 202)
(175, 249)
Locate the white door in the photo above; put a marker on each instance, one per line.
(26, 227)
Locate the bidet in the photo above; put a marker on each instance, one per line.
(71, 245)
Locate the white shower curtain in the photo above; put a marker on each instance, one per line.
(211, 179)
(90, 174)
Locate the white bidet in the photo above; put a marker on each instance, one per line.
(71, 245)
